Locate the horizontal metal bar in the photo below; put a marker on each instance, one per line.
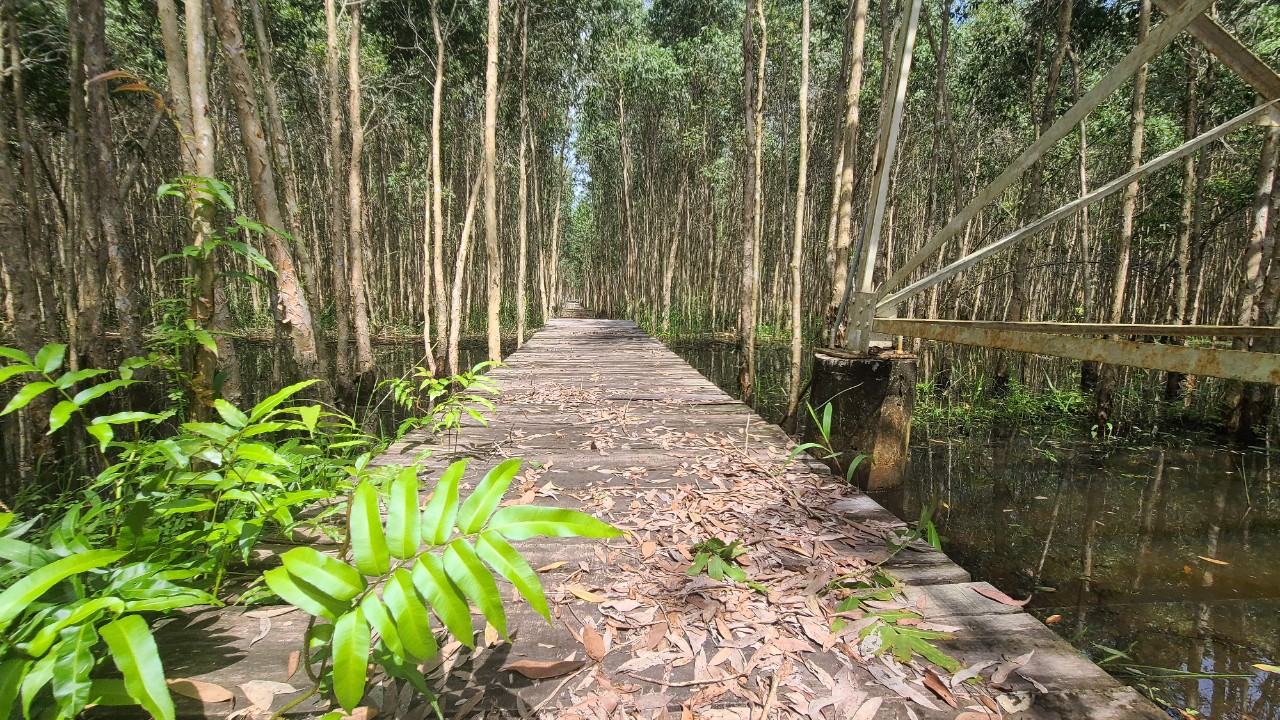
(1263, 368)
(1072, 207)
(1157, 39)
(1131, 329)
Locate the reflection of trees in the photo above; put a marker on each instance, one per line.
(1147, 513)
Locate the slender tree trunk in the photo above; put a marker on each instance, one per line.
(459, 268)
(1032, 206)
(492, 257)
(523, 229)
(104, 183)
(1109, 376)
(437, 187)
(339, 280)
(797, 236)
(857, 30)
(1241, 400)
(751, 55)
(1186, 218)
(355, 204)
(293, 314)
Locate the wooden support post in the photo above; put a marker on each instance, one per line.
(871, 400)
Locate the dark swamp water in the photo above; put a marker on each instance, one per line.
(1116, 546)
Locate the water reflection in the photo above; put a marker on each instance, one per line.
(1168, 554)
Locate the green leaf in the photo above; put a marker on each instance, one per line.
(66, 380)
(122, 418)
(60, 414)
(303, 595)
(404, 524)
(44, 638)
(134, 651)
(29, 392)
(368, 543)
(274, 401)
(97, 391)
(1268, 668)
(71, 668)
(9, 371)
(109, 693)
(464, 568)
(230, 414)
(256, 452)
(410, 615)
(442, 509)
(50, 357)
(214, 431)
(103, 433)
(376, 613)
(351, 642)
(310, 415)
(430, 579)
(27, 590)
(39, 674)
(329, 575)
(508, 563)
(16, 355)
(521, 522)
(480, 504)
(12, 671)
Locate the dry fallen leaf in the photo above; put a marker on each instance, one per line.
(552, 566)
(584, 594)
(364, 712)
(934, 683)
(202, 691)
(1053, 619)
(1008, 666)
(593, 642)
(1213, 560)
(543, 669)
(294, 658)
(648, 548)
(270, 612)
(999, 597)
(262, 693)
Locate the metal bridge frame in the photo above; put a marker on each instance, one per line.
(870, 308)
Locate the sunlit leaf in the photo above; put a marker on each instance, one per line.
(480, 504)
(50, 357)
(19, 595)
(368, 542)
(23, 397)
(521, 522)
(469, 574)
(404, 524)
(508, 563)
(133, 650)
(410, 615)
(442, 509)
(351, 643)
(430, 579)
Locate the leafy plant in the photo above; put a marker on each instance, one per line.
(439, 403)
(374, 604)
(828, 451)
(720, 561)
(892, 631)
(67, 608)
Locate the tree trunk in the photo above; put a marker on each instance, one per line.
(523, 229)
(751, 56)
(492, 257)
(437, 189)
(459, 268)
(337, 225)
(355, 204)
(857, 30)
(1174, 382)
(104, 184)
(293, 315)
(797, 236)
(1109, 376)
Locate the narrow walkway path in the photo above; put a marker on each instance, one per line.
(611, 422)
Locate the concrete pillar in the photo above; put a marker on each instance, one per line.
(871, 398)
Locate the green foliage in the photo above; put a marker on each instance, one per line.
(437, 558)
(438, 403)
(893, 631)
(156, 530)
(826, 450)
(720, 561)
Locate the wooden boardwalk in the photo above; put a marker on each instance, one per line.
(611, 422)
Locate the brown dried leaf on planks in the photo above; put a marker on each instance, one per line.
(939, 688)
(593, 642)
(543, 669)
(994, 594)
(202, 691)
(584, 594)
